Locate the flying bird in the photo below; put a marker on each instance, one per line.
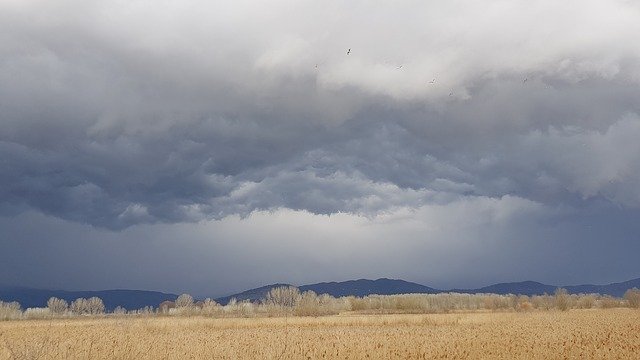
(525, 80)
(349, 51)
(432, 81)
(399, 67)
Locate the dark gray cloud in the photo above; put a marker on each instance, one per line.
(122, 116)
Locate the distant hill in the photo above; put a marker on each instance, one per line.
(615, 289)
(129, 299)
(365, 287)
(519, 288)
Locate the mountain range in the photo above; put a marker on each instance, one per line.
(135, 299)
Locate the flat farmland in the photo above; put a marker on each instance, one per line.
(575, 334)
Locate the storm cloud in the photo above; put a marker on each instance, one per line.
(129, 115)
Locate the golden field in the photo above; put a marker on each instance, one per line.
(575, 334)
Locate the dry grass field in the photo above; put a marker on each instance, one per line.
(575, 334)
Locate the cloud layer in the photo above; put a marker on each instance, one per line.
(138, 112)
(135, 115)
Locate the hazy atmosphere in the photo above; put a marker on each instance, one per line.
(209, 147)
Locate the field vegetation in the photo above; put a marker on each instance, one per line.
(288, 324)
(573, 334)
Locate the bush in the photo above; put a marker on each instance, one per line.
(543, 302)
(586, 301)
(96, 306)
(119, 311)
(78, 306)
(91, 306)
(562, 299)
(37, 313)
(210, 307)
(524, 303)
(308, 305)
(147, 310)
(283, 296)
(10, 310)
(184, 301)
(633, 298)
(57, 306)
(608, 302)
(495, 302)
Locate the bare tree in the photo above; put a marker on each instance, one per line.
(283, 296)
(57, 306)
(184, 301)
(119, 310)
(92, 306)
(633, 298)
(164, 306)
(95, 306)
(562, 299)
(79, 306)
(10, 310)
(209, 306)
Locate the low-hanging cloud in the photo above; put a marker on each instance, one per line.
(138, 112)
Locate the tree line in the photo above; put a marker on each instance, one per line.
(288, 300)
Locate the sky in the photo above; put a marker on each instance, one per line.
(209, 147)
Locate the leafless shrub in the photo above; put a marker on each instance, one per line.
(210, 307)
(165, 306)
(96, 306)
(184, 301)
(608, 302)
(283, 296)
(523, 303)
(91, 306)
(37, 313)
(79, 306)
(430, 303)
(542, 302)
(238, 309)
(357, 304)
(145, 311)
(119, 311)
(10, 310)
(633, 298)
(57, 306)
(495, 302)
(562, 299)
(231, 306)
(246, 308)
(310, 304)
(587, 301)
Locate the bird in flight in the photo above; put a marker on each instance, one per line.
(399, 67)
(525, 80)
(450, 94)
(349, 51)
(432, 81)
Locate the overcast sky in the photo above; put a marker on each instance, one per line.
(208, 146)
